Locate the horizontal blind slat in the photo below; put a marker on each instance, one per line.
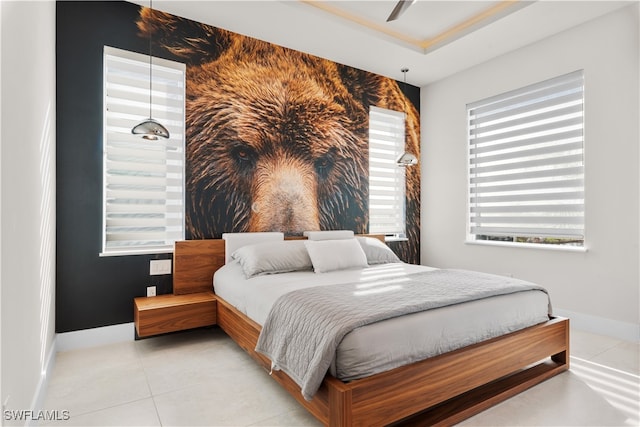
(523, 187)
(529, 232)
(532, 197)
(551, 127)
(530, 208)
(525, 142)
(529, 220)
(524, 155)
(529, 175)
(550, 161)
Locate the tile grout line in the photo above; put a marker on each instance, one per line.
(146, 378)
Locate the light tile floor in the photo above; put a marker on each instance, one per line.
(201, 378)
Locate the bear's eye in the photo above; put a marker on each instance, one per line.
(323, 166)
(244, 156)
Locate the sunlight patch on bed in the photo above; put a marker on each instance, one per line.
(381, 272)
(377, 290)
(378, 276)
(386, 267)
(382, 282)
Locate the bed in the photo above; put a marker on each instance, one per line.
(439, 390)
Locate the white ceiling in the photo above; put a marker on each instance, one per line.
(432, 38)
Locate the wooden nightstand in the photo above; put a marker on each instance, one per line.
(170, 313)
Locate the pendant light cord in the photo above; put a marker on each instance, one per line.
(150, 61)
(404, 89)
(150, 129)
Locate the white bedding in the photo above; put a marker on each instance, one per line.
(407, 338)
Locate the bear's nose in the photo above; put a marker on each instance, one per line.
(285, 197)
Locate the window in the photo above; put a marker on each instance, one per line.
(386, 178)
(143, 194)
(526, 166)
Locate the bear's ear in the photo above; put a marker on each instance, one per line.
(372, 89)
(192, 41)
(365, 87)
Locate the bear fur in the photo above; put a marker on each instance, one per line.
(276, 139)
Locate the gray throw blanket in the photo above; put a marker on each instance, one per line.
(305, 327)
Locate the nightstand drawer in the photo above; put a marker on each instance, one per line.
(169, 313)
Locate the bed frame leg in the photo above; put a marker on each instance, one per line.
(339, 406)
(563, 357)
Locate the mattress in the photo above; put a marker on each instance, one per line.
(407, 338)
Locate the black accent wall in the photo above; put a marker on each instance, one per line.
(91, 291)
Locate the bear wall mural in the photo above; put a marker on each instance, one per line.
(276, 139)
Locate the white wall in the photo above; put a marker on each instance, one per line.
(27, 201)
(599, 288)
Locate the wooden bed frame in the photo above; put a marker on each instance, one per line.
(442, 390)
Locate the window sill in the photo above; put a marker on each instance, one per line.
(541, 246)
(395, 239)
(137, 252)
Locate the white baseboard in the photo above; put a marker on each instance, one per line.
(602, 326)
(41, 390)
(95, 337)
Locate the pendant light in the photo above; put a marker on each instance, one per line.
(150, 129)
(407, 158)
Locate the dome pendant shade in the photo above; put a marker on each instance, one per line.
(407, 159)
(150, 129)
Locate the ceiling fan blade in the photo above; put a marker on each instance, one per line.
(399, 9)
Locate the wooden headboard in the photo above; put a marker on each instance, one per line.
(195, 261)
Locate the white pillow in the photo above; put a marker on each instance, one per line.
(272, 258)
(329, 234)
(330, 255)
(376, 251)
(234, 241)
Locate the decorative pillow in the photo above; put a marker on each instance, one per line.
(329, 234)
(330, 255)
(273, 257)
(234, 241)
(376, 251)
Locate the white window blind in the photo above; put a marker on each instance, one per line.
(143, 195)
(526, 166)
(386, 178)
